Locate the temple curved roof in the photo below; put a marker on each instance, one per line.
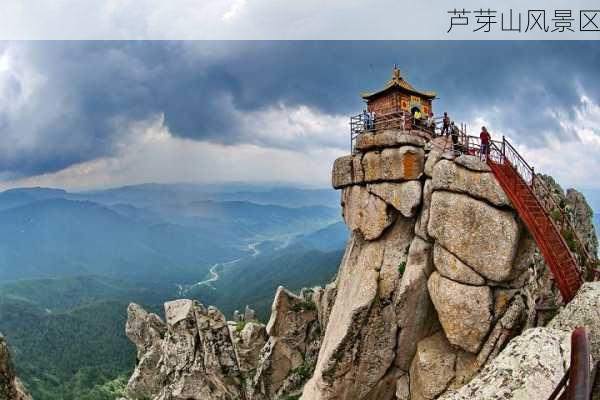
(398, 82)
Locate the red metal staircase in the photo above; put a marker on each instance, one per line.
(547, 221)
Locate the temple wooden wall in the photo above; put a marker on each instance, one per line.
(396, 102)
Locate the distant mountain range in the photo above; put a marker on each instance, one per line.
(58, 237)
(163, 233)
(155, 193)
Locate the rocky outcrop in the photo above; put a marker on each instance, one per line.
(583, 310)
(404, 197)
(249, 314)
(532, 364)
(324, 299)
(528, 369)
(342, 172)
(291, 350)
(423, 218)
(146, 331)
(389, 164)
(388, 138)
(466, 285)
(438, 278)
(454, 177)
(449, 266)
(415, 313)
(433, 367)
(434, 155)
(11, 387)
(357, 357)
(248, 340)
(582, 218)
(425, 269)
(366, 212)
(197, 354)
(482, 236)
(357, 289)
(237, 316)
(472, 163)
(465, 311)
(194, 358)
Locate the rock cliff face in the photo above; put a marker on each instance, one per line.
(191, 356)
(11, 387)
(438, 276)
(197, 354)
(432, 284)
(532, 365)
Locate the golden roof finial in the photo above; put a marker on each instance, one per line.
(396, 72)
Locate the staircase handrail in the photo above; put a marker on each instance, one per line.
(499, 152)
(520, 165)
(578, 380)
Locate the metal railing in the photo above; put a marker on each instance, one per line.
(499, 152)
(403, 121)
(503, 151)
(578, 381)
(472, 145)
(554, 207)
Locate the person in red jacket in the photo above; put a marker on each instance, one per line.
(485, 143)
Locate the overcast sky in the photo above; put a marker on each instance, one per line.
(276, 19)
(84, 115)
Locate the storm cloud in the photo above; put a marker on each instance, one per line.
(66, 103)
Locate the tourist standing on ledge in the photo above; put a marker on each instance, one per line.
(454, 132)
(417, 117)
(485, 144)
(446, 124)
(366, 117)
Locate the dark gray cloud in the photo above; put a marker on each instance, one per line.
(84, 93)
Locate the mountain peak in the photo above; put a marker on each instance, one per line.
(438, 277)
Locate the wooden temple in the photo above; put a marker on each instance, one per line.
(399, 96)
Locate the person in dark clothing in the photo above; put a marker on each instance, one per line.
(446, 124)
(454, 132)
(485, 143)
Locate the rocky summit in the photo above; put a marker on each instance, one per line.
(437, 297)
(197, 354)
